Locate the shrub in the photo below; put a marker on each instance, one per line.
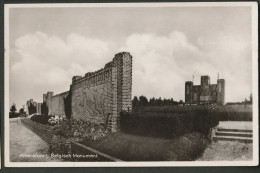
(81, 129)
(13, 115)
(223, 113)
(42, 119)
(59, 145)
(168, 123)
(56, 120)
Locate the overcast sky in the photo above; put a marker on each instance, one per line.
(50, 45)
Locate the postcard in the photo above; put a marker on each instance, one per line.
(131, 84)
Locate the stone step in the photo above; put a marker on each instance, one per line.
(234, 130)
(238, 134)
(228, 138)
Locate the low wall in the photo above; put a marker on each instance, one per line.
(83, 153)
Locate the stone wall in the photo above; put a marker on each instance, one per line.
(57, 104)
(105, 93)
(47, 101)
(39, 108)
(92, 96)
(101, 95)
(32, 107)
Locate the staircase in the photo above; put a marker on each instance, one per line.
(240, 135)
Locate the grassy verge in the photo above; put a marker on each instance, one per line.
(138, 148)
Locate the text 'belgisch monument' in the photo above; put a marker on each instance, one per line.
(101, 95)
(206, 92)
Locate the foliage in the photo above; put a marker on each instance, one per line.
(42, 119)
(186, 147)
(168, 123)
(13, 108)
(135, 101)
(13, 113)
(59, 145)
(143, 101)
(22, 111)
(242, 112)
(56, 120)
(81, 129)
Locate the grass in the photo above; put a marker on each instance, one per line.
(129, 147)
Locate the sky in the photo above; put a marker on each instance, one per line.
(48, 46)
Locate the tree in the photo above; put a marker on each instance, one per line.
(135, 102)
(181, 102)
(21, 111)
(152, 101)
(143, 101)
(13, 108)
(246, 101)
(159, 101)
(251, 98)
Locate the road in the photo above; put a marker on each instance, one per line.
(26, 146)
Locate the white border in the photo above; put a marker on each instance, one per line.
(255, 160)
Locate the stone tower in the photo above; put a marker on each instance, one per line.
(48, 100)
(205, 93)
(205, 89)
(221, 91)
(123, 63)
(188, 92)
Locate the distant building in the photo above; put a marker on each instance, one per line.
(205, 93)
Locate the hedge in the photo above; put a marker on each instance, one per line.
(167, 124)
(42, 119)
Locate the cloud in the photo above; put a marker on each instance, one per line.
(162, 64)
(47, 63)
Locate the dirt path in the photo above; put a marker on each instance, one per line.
(227, 151)
(25, 146)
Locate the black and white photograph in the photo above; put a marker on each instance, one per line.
(131, 84)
